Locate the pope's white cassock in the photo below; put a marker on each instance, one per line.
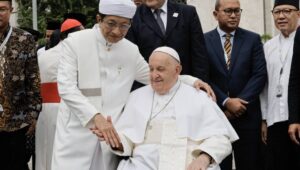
(46, 124)
(166, 132)
(94, 76)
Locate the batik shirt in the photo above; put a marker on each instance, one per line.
(19, 81)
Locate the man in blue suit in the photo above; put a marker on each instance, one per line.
(165, 23)
(237, 76)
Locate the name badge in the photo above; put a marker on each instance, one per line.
(279, 90)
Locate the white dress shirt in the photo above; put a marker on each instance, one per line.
(163, 14)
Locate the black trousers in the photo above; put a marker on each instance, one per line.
(13, 150)
(282, 153)
(247, 152)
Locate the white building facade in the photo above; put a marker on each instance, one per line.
(256, 15)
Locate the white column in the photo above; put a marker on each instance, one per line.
(14, 15)
(34, 15)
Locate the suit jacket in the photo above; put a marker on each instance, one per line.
(294, 83)
(183, 33)
(246, 77)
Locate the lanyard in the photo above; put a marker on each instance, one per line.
(283, 59)
(2, 46)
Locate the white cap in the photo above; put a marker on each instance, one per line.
(169, 51)
(121, 8)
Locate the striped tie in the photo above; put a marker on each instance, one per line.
(227, 48)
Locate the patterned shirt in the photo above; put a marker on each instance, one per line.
(19, 81)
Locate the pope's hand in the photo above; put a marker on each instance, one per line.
(199, 84)
(106, 129)
(201, 163)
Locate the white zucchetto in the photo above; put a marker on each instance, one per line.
(173, 53)
(121, 8)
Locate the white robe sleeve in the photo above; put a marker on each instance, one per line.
(264, 94)
(68, 87)
(142, 70)
(218, 147)
(187, 79)
(127, 147)
(264, 102)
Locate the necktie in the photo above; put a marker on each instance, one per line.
(159, 20)
(227, 48)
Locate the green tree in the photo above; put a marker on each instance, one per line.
(55, 9)
(265, 37)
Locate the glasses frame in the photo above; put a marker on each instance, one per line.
(113, 25)
(285, 12)
(230, 11)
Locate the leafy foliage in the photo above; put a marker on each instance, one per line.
(55, 10)
(265, 37)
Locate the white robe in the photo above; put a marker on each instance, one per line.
(41, 51)
(46, 124)
(198, 120)
(92, 79)
(278, 54)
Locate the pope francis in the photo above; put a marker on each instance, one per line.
(171, 126)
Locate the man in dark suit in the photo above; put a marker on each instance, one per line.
(165, 23)
(294, 97)
(237, 76)
(294, 92)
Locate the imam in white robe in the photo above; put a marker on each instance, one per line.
(92, 78)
